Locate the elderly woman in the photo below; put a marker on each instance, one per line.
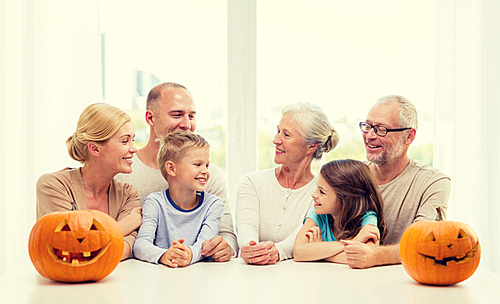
(103, 143)
(272, 203)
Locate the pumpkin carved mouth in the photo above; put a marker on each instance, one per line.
(77, 258)
(450, 260)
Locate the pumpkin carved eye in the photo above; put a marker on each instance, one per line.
(462, 234)
(431, 237)
(63, 226)
(96, 226)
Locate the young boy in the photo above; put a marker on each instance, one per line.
(176, 221)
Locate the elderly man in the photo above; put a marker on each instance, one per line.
(411, 191)
(170, 107)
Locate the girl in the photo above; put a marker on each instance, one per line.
(347, 205)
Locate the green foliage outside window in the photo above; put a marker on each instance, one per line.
(353, 148)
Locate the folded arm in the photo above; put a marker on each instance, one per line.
(310, 247)
(361, 255)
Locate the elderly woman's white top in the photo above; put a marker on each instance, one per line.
(265, 211)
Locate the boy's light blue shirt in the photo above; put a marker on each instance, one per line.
(321, 220)
(163, 222)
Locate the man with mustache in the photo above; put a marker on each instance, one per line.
(411, 191)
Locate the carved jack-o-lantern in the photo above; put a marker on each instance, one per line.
(440, 253)
(75, 246)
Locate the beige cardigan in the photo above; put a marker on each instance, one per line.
(58, 190)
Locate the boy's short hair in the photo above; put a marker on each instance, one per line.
(175, 144)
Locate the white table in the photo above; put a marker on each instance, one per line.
(135, 281)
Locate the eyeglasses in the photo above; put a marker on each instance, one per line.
(380, 131)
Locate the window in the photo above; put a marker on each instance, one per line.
(340, 55)
(148, 42)
(343, 56)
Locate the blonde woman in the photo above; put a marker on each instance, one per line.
(103, 143)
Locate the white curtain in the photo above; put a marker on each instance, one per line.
(50, 69)
(467, 140)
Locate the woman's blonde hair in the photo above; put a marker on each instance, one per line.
(98, 122)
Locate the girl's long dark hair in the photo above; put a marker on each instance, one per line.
(357, 192)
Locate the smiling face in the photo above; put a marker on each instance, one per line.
(192, 169)
(75, 246)
(69, 230)
(390, 148)
(116, 153)
(440, 252)
(325, 199)
(176, 112)
(290, 145)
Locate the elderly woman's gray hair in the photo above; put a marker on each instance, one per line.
(314, 127)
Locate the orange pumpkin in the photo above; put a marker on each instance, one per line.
(440, 253)
(75, 246)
